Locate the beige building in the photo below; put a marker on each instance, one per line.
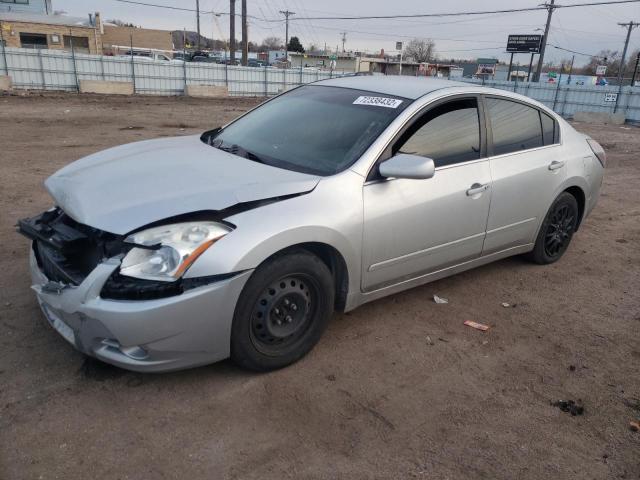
(56, 32)
(115, 37)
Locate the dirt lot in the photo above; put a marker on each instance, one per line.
(399, 388)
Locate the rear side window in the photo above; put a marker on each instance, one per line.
(549, 129)
(515, 126)
(448, 134)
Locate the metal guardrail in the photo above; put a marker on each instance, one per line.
(61, 70)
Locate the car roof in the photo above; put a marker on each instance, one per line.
(400, 86)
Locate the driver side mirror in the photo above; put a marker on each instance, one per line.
(408, 166)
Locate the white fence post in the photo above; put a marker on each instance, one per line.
(44, 83)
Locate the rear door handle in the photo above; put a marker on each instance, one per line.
(477, 188)
(556, 165)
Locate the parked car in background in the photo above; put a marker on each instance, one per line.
(242, 242)
(149, 57)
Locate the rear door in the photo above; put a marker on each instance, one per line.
(526, 168)
(413, 227)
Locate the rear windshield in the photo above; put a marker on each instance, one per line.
(312, 129)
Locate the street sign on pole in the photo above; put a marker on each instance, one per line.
(524, 43)
(601, 70)
(398, 45)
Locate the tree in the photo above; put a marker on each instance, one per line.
(421, 50)
(295, 45)
(272, 43)
(121, 23)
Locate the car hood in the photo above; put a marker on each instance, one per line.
(127, 187)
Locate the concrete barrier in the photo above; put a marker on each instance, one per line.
(206, 91)
(5, 82)
(104, 87)
(599, 118)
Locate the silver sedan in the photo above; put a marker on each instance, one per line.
(171, 253)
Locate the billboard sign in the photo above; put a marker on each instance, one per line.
(524, 43)
(601, 70)
(398, 45)
(486, 69)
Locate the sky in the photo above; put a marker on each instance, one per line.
(586, 30)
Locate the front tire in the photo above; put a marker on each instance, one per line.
(556, 231)
(282, 311)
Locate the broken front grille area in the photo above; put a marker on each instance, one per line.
(68, 251)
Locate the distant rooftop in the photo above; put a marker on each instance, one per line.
(47, 19)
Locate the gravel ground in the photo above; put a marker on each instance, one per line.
(398, 388)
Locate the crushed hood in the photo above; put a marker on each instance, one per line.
(127, 187)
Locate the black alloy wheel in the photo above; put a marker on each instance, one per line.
(556, 230)
(559, 230)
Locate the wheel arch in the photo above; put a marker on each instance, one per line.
(579, 195)
(333, 259)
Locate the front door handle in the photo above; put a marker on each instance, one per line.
(556, 165)
(477, 188)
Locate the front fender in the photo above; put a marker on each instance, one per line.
(331, 214)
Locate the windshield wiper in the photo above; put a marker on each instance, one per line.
(236, 150)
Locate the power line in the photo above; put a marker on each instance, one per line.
(383, 17)
(455, 14)
(573, 51)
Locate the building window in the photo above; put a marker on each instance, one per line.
(33, 40)
(80, 44)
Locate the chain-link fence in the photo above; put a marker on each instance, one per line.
(62, 70)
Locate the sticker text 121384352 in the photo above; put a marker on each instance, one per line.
(378, 101)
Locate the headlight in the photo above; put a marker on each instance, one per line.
(171, 249)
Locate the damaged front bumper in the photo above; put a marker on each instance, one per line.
(187, 330)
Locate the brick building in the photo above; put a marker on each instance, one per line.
(56, 32)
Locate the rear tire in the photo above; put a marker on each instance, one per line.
(556, 230)
(282, 311)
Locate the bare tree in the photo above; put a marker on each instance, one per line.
(421, 50)
(272, 43)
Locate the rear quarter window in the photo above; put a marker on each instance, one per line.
(550, 132)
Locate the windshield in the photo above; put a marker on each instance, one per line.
(312, 129)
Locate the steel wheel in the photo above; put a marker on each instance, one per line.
(283, 313)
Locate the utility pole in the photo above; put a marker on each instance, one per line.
(232, 32)
(286, 14)
(630, 26)
(550, 8)
(344, 40)
(198, 21)
(245, 35)
(573, 58)
(635, 70)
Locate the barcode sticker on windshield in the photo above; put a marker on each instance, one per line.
(378, 101)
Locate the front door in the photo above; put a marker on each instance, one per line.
(413, 227)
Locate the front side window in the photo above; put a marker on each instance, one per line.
(448, 134)
(312, 129)
(515, 126)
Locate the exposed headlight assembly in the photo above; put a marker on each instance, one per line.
(165, 253)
